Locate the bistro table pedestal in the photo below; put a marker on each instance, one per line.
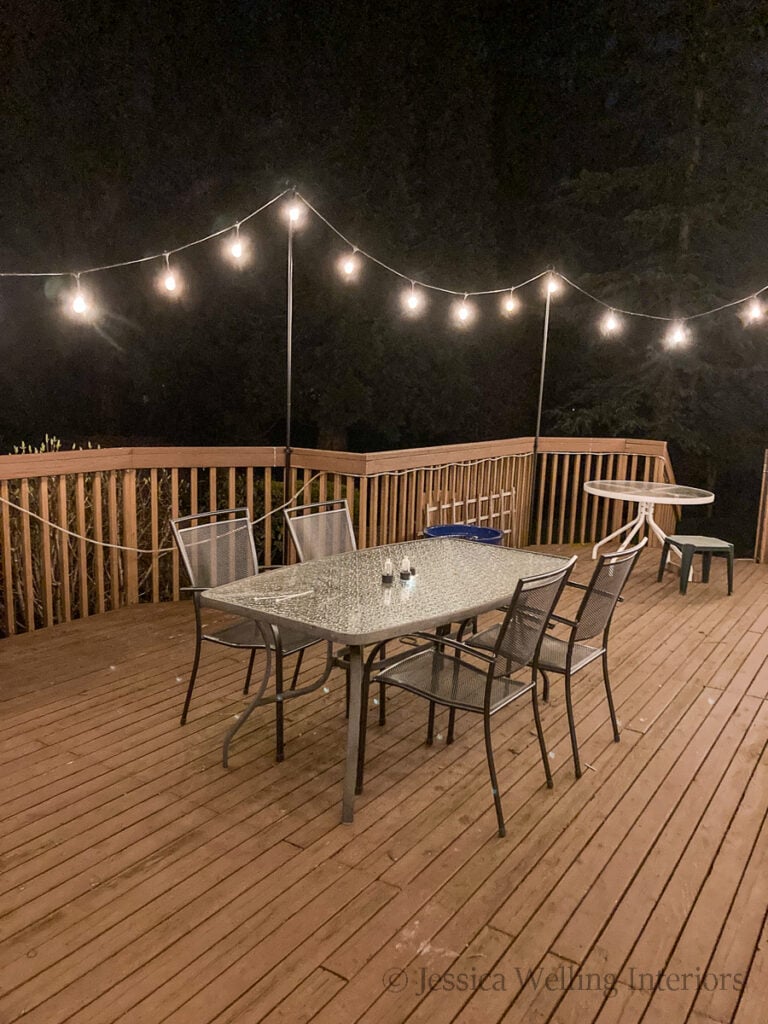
(647, 495)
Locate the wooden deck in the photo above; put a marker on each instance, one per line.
(143, 883)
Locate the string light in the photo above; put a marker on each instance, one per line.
(80, 304)
(169, 281)
(754, 311)
(237, 249)
(413, 300)
(349, 266)
(553, 284)
(510, 304)
(677, 335)
(294, 212)
(610, 324)
(463, 312)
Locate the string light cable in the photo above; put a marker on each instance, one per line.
(349, 265)
(147, 551)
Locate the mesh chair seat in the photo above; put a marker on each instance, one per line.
(246, 633)
(552, 653)
(445, 678)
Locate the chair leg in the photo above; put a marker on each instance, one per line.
(279, 742)
(706, 565)
(729, 556)
(609, 695)
(663, 561)
(382, 704)
(686, 560)
(251, 660)
(492, 773)
(192, 678)
(297, 669)
(451, 724)
(545, 687)
(346, 692)
(540, 734)
(431, 723)
(572, 726)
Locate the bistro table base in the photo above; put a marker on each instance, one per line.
(644, 515)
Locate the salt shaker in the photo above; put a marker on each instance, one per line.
(405, 568)
(388, 575)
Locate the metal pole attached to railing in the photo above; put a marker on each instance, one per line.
(288, 375)
(537, 435)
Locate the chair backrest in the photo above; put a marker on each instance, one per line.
(321, 529)
(528, 615)
(604, 590)
(216, 547)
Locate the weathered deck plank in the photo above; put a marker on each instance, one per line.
(141, 881)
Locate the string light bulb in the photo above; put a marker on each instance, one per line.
(349, 266)
(169, 282)
(413, 300)
(236, 249)
(294, 212)
(677, 335)
(79, 302)
(553, 285)
(510, 303)
(463, 312)
(754, 311)
(610, 324)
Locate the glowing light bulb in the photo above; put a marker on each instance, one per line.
(611, 323)
(413, 301)
(349, 266)
(79, 304)
(754, 311)
(553, 284)
(677, 334)
(236, 249)
(294, 212)
(463, 312)
(169, 282)
(510, 304)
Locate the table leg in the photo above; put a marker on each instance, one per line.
(353, 733)
(633, 525)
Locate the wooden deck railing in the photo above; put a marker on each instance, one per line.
(761, 540)
(123, 498)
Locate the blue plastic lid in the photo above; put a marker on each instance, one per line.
(483, 534)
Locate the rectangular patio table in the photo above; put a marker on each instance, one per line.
(343, 599)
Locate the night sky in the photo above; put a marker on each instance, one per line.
(469, 145)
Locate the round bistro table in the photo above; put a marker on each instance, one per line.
(647, 495)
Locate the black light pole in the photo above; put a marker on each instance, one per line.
(288, 357)
(542, 371)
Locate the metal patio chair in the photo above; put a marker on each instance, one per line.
(217, 548)
(320, 529)
(570, 655)
(450, 673)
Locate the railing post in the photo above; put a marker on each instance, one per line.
(130, 537)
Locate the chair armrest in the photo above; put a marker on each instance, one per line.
(562, 621)
(578, 586)
(457, 645)
(192, 590)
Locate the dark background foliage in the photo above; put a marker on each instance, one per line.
(469, 145)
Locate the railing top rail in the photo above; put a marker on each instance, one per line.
(31, 465)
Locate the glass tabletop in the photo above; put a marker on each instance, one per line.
(647, 490)
(343, 598)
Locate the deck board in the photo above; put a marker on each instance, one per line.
(141, 881)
